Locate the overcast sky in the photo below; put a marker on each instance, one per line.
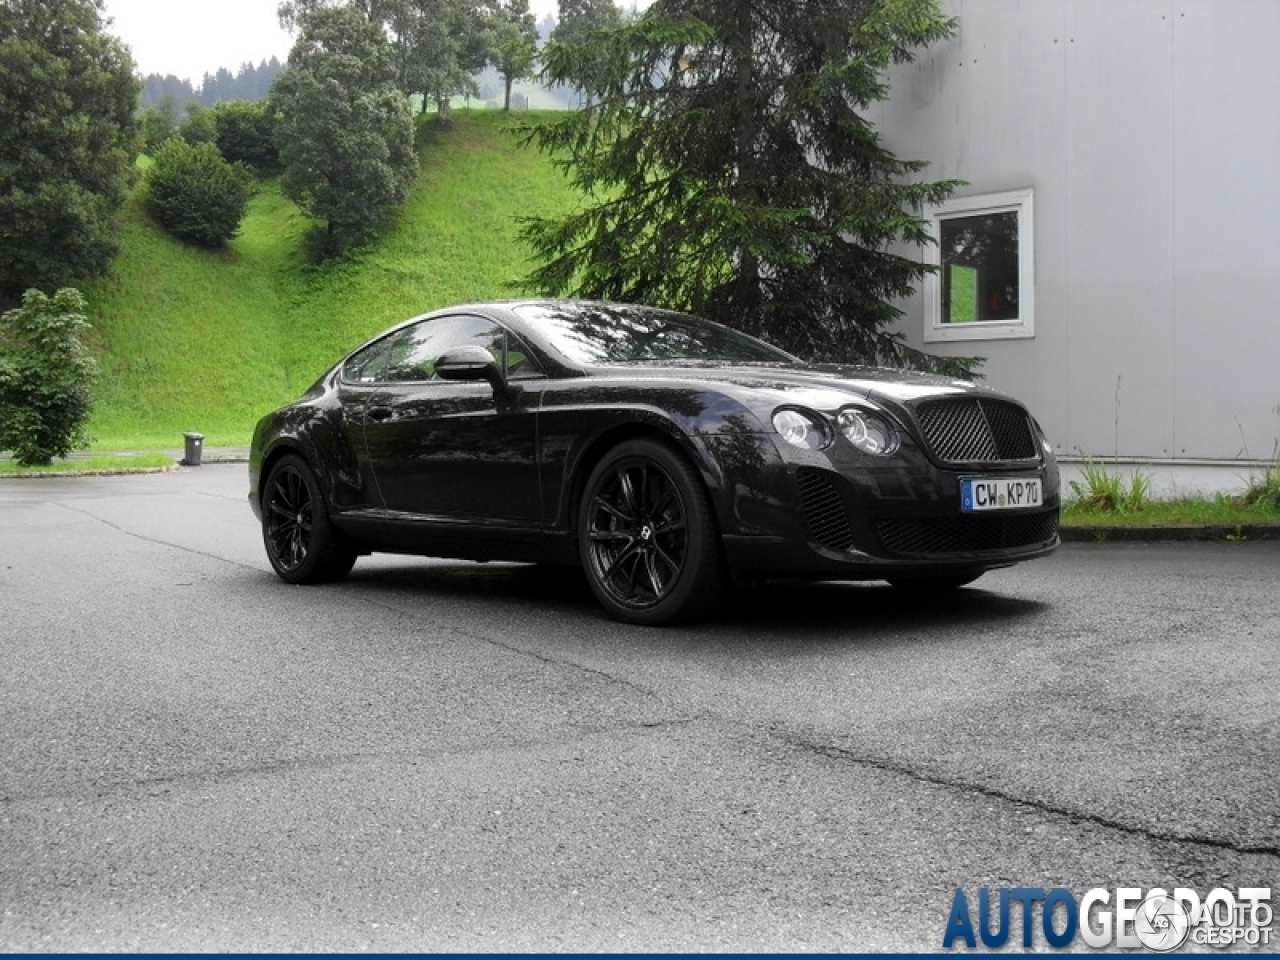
(189, 38)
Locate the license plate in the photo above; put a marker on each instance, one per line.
(1000, 493)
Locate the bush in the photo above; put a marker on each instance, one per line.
(198, 126)
(46, 377)
(1264, 490)
(196, 195)
(1107, 492)
(245, 133)
(157, 127)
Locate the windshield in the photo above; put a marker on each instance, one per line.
(617, 333)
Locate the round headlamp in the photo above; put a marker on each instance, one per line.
(800, 429)
(868, 432)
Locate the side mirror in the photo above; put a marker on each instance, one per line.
(470, 362)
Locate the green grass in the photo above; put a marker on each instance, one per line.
(91, 464)
(1220, 510)
(192, 340)
(1107, 498)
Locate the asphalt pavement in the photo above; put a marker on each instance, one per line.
(448, 756)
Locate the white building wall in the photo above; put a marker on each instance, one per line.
(1149, 131)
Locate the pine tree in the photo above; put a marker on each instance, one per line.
(728, 167)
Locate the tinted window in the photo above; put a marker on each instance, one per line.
(613, 333)
(410, 355)
(980, 268)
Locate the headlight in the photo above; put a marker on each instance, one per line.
(801, 429)
(868, 432)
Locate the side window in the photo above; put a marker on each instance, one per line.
(367, 365)
(520, 362)
(410, 355)
(984, 288)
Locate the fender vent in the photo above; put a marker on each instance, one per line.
(823, 510)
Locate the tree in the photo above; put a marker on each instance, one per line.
(67, 100)
(730, 169)
(515, 44)
(344, 131)
(441, 44)
(198, 126)
(195, 194)
(156, 124)
(245, 133)
(579, 18)
(46, 377)
(437, 45)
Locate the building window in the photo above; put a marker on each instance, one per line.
(984, 288)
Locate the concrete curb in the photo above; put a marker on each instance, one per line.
(1191, 533)
(210, 457)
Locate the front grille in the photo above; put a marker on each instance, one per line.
(823, 511)
(973, 430)
(921, 536)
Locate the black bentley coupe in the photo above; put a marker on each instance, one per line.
(666, 455)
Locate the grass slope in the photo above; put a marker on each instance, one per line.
(209, 341)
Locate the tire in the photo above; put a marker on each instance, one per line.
(301, 541)
(935, 583)
(647, 536)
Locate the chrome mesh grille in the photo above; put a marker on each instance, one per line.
(823, 510)
(921, 536)
(972, 430)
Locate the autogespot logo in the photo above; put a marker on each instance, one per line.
(1103, 919)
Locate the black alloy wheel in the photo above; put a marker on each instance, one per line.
(647, 535)
(301, 543)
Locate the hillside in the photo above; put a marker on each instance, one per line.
(209, 341)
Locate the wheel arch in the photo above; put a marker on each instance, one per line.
(286, 446)
(672, 437)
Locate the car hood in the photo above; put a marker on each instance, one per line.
(805, 383)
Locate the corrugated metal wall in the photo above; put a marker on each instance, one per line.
(1150, 133)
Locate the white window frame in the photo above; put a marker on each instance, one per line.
(1024, 325)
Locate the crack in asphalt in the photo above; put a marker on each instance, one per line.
(849, 756)
(153, 540)
(213, 775)
(518, 650)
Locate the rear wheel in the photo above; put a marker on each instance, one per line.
(301, 541)
(647, 536)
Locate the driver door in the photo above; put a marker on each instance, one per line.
(448, 451)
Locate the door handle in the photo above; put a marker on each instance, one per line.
(379, 414)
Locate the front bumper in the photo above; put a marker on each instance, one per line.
(840, 513)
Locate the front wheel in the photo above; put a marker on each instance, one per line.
(301, 542)
(647, 536)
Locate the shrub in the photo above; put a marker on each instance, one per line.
(46, 377)
(245, 133)
(157, 127)
(196, 195)
(1264, 489)
(198, 126)
(1107, 492)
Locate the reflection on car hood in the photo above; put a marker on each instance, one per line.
(899, 385)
